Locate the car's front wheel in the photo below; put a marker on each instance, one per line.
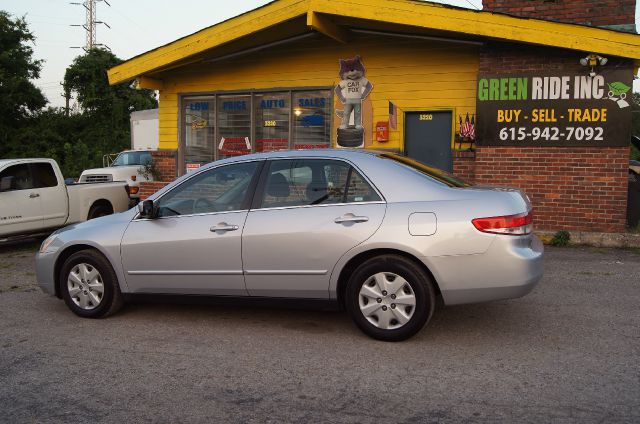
(390, 297)
(89, 285)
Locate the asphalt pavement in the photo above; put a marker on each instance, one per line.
(569, 352)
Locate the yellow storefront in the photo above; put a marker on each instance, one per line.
(399, 75)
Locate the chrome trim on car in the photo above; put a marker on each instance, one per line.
(285, 272)
(275, 208)
(203, 272)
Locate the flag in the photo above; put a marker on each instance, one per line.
(393, 116)
(467, 129)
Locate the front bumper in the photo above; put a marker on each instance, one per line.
(45, 271)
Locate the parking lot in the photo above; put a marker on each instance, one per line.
(568, 352)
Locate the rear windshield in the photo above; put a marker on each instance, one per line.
(435, 173)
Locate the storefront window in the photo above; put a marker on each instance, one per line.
(271, 121)
(199, 129)
(217, 126)
(234, 126)
(312, 119)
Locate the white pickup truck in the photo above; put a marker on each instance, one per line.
(126, 167)
(34, 198)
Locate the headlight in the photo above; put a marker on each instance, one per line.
(47, 242)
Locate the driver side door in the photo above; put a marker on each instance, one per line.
(194, 245)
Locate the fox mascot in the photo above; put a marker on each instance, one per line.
(352, 90)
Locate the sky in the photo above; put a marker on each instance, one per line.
(136, 26)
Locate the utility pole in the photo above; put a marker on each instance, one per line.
(90, 24)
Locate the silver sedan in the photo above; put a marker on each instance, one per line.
(376, 233)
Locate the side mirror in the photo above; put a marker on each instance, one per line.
(5, 183)
(146, 209)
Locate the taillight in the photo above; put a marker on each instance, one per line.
(134, 190)
(513, 225)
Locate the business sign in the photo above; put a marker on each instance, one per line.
(559, 109)
(192, 167)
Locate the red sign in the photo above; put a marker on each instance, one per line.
(192, 166)
(382, 131)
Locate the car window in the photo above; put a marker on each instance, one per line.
(308, 182)
(132, 158)
(43, 175)
(16, 177)
(360, 190)
(220, 189)
(434, 173)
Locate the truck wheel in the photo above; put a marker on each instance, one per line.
(89, 285)
(390, 297)
(100, 209)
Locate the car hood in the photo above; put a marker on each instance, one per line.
(109, 221)
(111, 170)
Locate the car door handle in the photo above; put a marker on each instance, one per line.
(223, 226)
(34, 195)
(350, 218)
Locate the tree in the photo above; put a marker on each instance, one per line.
(106, 108)
(19, 97)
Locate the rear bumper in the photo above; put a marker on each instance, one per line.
(510, 268)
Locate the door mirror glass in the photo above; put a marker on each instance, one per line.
(146, 209)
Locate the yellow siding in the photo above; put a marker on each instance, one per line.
(414, 74)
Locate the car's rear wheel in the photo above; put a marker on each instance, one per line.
(89, 285)
(390, 297)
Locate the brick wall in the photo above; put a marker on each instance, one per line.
(587, 12)
(464, 165)
(166, 161)
(571, 188)
(147, 188)
(579, 188)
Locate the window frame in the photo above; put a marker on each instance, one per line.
(36, 184)
(251, 190)
(27, 165)
(258, 195)
(185, 97)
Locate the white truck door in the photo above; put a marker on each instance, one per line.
(53, 194)
(20, 202)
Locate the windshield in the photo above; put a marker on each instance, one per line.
(132, 158)
(435, 173)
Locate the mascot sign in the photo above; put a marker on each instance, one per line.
(352, 89)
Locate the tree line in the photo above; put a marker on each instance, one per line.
(77, 137)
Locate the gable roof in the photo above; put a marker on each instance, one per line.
(323, 15)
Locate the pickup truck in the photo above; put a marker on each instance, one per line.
(34, 198)
(126, 167)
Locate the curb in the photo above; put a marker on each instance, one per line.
(581, 238)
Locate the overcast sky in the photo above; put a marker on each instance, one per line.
(136, 26)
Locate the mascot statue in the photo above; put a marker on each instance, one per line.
(352, 90)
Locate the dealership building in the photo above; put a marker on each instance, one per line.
(534, 94)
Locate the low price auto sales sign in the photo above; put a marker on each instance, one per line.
(559, 109)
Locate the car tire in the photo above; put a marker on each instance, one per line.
(99, 210)
(384, 307)
(89, 285)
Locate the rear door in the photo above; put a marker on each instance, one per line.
(20, 204)
(53, 194)
(304, 219)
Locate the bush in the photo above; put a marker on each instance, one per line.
(561, 238)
